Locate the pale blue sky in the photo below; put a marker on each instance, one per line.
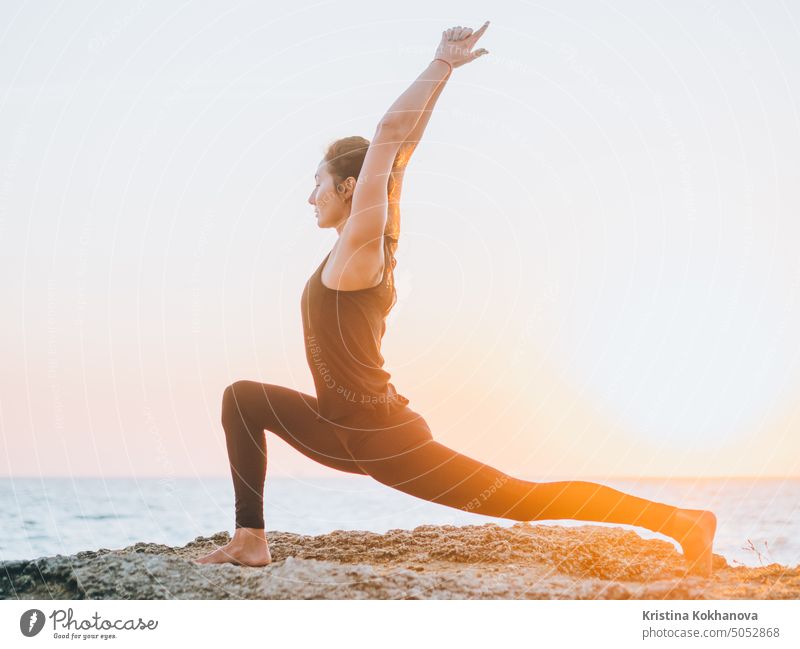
(598, 266)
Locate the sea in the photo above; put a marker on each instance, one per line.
(758, 519)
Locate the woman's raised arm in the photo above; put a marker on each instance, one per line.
(370, 206)
(401, 161)
(455, 49)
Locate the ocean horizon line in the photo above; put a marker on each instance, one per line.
(351, 476)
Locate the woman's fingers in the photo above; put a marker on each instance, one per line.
(459, 33)
(461, 41)
(479, 33)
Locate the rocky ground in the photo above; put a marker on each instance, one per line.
(430, 562)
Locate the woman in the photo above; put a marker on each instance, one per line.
(358, 422)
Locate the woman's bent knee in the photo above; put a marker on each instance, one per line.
(232, 398)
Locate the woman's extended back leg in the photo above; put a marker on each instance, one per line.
(410, 460)
(248, 409)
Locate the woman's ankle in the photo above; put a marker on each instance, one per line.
(673, 526)
(249, 535)
(684, 523)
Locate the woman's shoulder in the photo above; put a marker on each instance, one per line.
(388, 264)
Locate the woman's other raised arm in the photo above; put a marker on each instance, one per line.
(398, 127)
(401, 161)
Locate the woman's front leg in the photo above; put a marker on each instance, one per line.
(246, 443)
(248, 409)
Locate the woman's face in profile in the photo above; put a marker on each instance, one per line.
(329, 210)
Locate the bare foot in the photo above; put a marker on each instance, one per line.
(246, 548)
(695, 529)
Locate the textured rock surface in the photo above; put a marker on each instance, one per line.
(440, 562)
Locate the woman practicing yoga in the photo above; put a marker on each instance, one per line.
(358, 422)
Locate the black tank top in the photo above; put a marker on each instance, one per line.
(343, 331)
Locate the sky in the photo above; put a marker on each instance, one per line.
(597, 274)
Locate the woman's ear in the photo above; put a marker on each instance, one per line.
(347, 187)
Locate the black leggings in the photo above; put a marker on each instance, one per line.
(403, 454)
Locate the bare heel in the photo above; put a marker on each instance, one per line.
(695, 532)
